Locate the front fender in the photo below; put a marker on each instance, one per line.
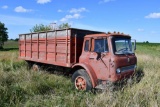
(90, 72)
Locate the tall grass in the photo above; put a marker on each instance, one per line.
(21, 87)
(11, 44)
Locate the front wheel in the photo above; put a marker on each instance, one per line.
(82, 80)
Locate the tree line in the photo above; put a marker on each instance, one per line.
(3, 34)
(42, 27)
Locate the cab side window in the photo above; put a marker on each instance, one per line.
(86, 47)
(101, 45)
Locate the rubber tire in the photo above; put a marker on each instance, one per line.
(84, 74)
(37, 67)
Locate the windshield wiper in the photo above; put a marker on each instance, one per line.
(124, 52)
(123, 49)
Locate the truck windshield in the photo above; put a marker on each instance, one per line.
(122, 45)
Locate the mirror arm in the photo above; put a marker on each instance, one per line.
(134, 44)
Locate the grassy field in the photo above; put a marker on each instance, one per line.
(11, 45)
(24, 88)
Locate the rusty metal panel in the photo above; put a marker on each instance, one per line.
(46, 47)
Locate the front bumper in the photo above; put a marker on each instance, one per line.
(123, 72)
(127, 68)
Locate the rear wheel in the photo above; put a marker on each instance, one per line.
(36, 67)
(82, 80)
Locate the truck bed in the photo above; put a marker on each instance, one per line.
(57, 47)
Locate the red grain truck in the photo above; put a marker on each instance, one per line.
(94, 59)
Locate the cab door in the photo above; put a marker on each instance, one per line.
(99, 57)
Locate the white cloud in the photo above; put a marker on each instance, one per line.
(5, 7)
(153, 15)
(43, 1)
(140, 30)
(21, 9)
(73, 10)
(105, 1)
(67, 17)
(74, 14)
(60, 11)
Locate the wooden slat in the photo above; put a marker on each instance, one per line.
(75, 48)
(38, 46)
(31, 46)
(55, 45)
(46, 47)
(67, 47)
(25, 45)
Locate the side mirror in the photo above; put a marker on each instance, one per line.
(134, 44)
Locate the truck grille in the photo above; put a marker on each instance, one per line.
(128, 68)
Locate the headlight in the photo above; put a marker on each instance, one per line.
(118, 71)
(135, 66)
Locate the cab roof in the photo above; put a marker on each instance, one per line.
(107, 35)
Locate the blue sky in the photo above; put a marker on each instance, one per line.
(139, 18)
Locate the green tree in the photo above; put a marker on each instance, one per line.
(64, 26)
(40, 27)
(3, 34)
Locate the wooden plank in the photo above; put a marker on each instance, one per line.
(55, 45)
(31, 46)
(67, 47)
(38, 46)
(75, 54)
(25, 45)
(46, 46)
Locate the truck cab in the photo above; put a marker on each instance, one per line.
(105, 58)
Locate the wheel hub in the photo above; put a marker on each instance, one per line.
(80, 83)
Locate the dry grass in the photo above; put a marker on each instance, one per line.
(146, 93)
(21, 87)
